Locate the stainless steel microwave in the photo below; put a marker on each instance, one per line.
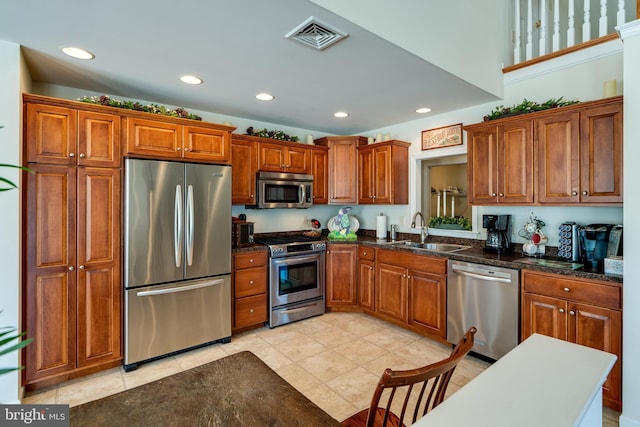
(283, 190)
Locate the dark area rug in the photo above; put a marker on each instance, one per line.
(238, 390)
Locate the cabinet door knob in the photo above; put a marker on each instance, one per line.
(251, 310)
(585, 193)
(574, 193)
(251, 282)
(82, 155)
(186, 149)
(501, 194)
(370, 268)
(364, 253)
(567, 289)
(493, 194)
(71, 268)
(572, 313)
(178, 149)
(81, 267)
(561, 310)
(251, 260)
(72, 154)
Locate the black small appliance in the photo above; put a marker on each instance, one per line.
(498, 233)
(598, 241)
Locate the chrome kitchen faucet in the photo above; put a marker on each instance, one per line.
(424, 233)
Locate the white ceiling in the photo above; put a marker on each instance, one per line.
(239, 49)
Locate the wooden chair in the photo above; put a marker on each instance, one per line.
(423, 389)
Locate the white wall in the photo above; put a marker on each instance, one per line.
(10, 118)
(631, 292)
(452, 35)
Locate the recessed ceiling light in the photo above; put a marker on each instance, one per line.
(190, 80)
(78, 53)
(423, 110)
(341, 114)
(265, 96)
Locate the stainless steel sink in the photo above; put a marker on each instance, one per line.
(435, 247)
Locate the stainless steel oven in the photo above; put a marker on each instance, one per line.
(296, 278)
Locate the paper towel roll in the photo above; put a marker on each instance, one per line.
(381, 227)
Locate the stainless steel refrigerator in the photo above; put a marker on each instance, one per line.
(177, 257)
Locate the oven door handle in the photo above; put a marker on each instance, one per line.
(179, 288)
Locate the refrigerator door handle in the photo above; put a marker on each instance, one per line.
(177, 226)
(190, 224)
(179, 288)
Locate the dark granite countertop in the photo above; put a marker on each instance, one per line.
(475, 254)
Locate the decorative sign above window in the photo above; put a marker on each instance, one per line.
(445, 136)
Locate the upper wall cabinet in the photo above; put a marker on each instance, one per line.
(288, 157)
(59, 135)
(580, 155)
(165, 139)
(500, 163)
(343, 167)
(564, 156)
(383, 173)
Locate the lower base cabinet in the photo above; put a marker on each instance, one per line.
(366, 278)
(340, 280)
(250, 291)
(586, 312)
(411, 289)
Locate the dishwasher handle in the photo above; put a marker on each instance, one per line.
(463, 272)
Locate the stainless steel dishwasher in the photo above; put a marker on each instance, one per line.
(486, 297)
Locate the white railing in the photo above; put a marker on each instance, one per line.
(540, 27)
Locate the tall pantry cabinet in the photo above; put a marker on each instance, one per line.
(71, 214)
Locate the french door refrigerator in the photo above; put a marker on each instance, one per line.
(177, 257)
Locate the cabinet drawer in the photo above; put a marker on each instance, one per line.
(250, 311)
(425, 263)
(590, 292)
(250, 259)
(250, 281)
(366, 252)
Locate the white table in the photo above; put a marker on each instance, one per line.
(542, 382)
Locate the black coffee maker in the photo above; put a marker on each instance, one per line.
(498, 233)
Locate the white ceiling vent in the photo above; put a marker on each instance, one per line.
(315, 33)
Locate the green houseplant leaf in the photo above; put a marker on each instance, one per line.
(462, 222)
(7, 184)
(7, 345)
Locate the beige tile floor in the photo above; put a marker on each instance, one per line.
(334, 359)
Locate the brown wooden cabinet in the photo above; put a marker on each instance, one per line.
(366, 277)
(56, 134)
(343, 167)
(72, 218)
(587, 312)
(564, 156)
(72, 282)
(284, 157)
(244, 161)
(580, 155)
(320, 170)
(383, 173)
(250, 290)
(341, 277)
(162, 138)
(411, 289)
(500, 163)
